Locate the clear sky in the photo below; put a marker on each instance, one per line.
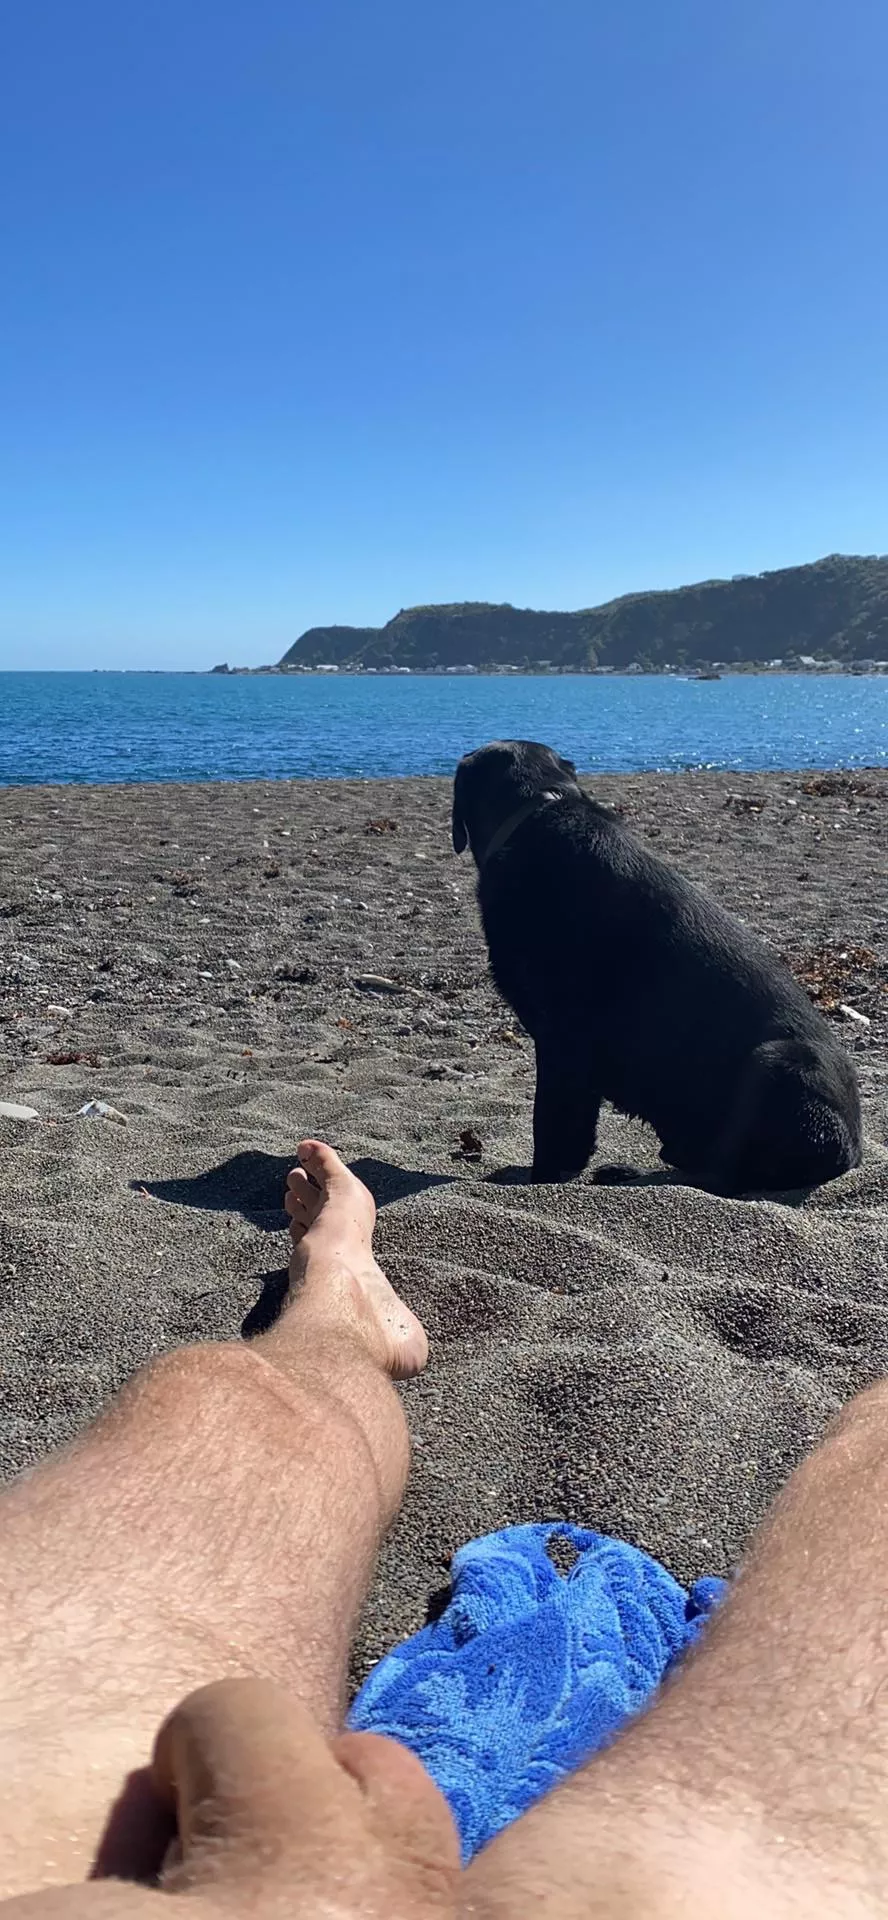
(314, 311)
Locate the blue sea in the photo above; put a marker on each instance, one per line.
(97, 727)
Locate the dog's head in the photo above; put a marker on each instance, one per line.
(494, 782)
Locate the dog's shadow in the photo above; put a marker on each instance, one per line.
(618, 1174)
(602, 1176)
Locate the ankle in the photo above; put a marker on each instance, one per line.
(315, 1341)
(329, 1309)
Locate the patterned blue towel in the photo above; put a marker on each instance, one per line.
(528, 1670)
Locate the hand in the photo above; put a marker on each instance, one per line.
(277, 1823)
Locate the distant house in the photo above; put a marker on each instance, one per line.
(325, 666)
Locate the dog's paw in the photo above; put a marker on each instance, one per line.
(555, 1176)
(616, 1175)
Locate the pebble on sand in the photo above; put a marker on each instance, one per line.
(101, 1110)
(378, 983)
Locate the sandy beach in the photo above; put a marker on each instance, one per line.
(649, 1360)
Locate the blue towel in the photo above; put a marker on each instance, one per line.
(528, 1670)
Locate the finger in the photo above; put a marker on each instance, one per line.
(407, 1811)
(251, 1780)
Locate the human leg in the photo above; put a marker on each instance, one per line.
(758, 1783)
(221, 1519)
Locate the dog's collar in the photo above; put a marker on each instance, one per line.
(515, 820)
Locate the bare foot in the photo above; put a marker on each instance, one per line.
(332, 1217)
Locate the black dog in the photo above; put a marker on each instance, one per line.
(638, 989)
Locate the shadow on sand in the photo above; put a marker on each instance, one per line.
(253, 1184)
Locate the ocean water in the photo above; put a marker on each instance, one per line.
(91, 728)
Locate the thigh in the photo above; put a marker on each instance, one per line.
(758, 1782)
(193, 1533)
(113, 1556)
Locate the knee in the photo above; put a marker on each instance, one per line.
(227, 1397)
(865, 1414)
(855, 1444)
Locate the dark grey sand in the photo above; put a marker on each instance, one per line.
(647, 1360)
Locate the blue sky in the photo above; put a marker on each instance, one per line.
(314, 312)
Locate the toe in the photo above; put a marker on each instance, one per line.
(331, 1174)
(296, 1178)
(321, 1163)
(301, 1198)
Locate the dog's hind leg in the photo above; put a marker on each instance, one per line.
(781, 1133)
(565, 1111)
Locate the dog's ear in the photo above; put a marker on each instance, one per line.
(459, 830)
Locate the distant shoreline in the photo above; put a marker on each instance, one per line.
(825, 671)
(829, 613)
(841, 670)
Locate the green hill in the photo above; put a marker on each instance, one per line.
(836, 608)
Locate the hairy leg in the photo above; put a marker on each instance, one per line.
(221, 1519)
(758, 1784)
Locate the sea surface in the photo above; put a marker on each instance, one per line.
(97, 727)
